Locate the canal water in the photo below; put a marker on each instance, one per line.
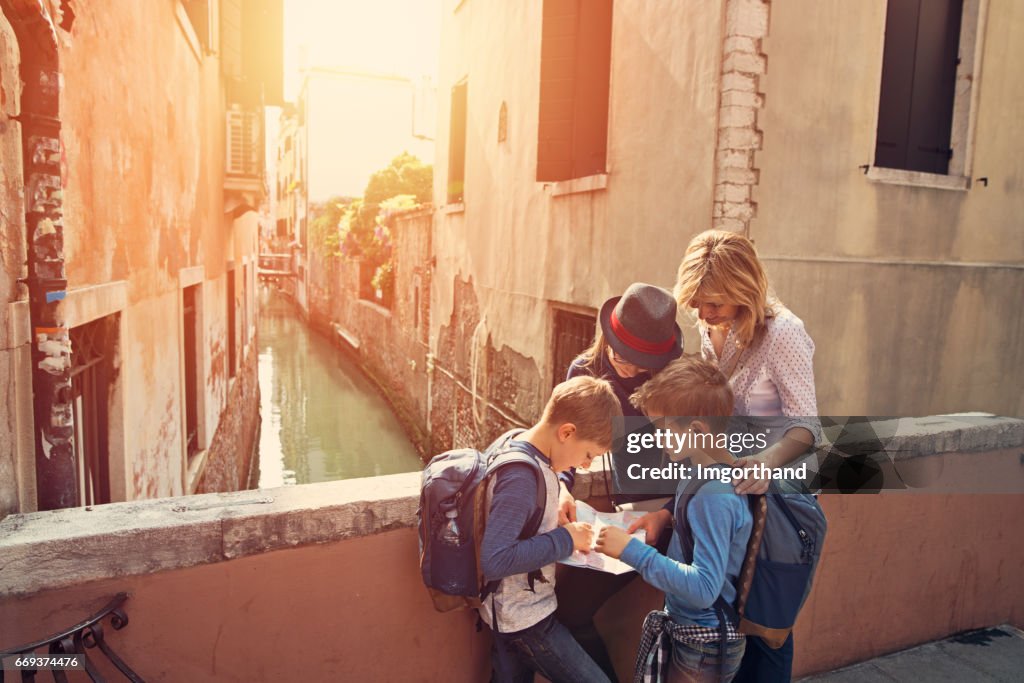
(322, 418)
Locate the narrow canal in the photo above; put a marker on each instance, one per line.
(322, 418)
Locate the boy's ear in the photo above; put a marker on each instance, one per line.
(700, 426)
(565, 431)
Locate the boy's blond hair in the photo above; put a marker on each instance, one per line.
(587, 402)
(687, 387)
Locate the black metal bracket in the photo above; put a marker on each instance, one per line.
(86, 634)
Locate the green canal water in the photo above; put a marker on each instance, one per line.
(323, 420)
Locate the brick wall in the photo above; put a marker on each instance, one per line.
(743, 64)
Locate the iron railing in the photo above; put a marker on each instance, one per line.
(85, 635)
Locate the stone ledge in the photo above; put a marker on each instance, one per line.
(49, 550)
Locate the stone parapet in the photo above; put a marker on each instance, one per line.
(125, 539)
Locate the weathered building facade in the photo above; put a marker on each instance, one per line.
(627, 127)
(130, 192)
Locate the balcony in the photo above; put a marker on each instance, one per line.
(320, 581)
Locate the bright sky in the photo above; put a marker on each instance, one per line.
(399, 37)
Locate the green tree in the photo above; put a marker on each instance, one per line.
(406, 174)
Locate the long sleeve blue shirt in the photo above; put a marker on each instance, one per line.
(720, 522)
(502, 553)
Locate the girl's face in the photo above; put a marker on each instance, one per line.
(714, 310)
(623, 368)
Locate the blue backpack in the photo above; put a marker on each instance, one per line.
(784, 566)
(452, 515)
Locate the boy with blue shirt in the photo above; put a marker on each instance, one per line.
(719, 521)
(576, 427)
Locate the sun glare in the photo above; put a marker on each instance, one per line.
(397, 37)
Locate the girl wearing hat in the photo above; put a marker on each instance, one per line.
(636, 336)
(767, 355)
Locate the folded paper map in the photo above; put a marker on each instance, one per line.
(598, 520)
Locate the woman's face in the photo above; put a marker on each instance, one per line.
(623, 368)
(714, 310)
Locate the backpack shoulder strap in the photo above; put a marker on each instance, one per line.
(501, 454)
(682, 524)
(516, 453)
(759, 516)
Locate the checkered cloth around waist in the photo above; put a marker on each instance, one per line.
(655, 653)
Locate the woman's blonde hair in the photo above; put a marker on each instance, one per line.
(724, 264)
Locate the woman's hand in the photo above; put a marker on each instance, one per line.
(612, 541)
(794, 443)
(753, 485)
(653, 523)
(566, 506)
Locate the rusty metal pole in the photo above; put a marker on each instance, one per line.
(56, 470)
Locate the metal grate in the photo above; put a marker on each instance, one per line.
(92, 351)
(573, 333)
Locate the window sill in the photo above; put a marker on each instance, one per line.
(935, 181)
(590, 183)
(453, 208)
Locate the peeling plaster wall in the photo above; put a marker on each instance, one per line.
(518, 246)
(233, 448)
(892, 337)
(143, 137)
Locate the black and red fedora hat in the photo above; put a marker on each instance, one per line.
(641, 326)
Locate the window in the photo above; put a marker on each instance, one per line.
(94, 346)
(200, 16)
(575, 67)
(457, 145)
(573, 334)
(231, 323)
(919, 78)
(190, 328)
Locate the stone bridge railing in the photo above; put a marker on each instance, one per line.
(320, 581)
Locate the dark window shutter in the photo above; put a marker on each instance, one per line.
(915, 113)
(559, 35)
(593, 70)
(457, 145)
(574, 88)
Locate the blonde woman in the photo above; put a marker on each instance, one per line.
(767, 355)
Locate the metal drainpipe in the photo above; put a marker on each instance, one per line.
(56, 471)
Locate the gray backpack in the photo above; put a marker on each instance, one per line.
(784, 567)
(452, 516)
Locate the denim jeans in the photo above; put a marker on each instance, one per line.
(762, 664)
(701, 662)
(546, 648)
